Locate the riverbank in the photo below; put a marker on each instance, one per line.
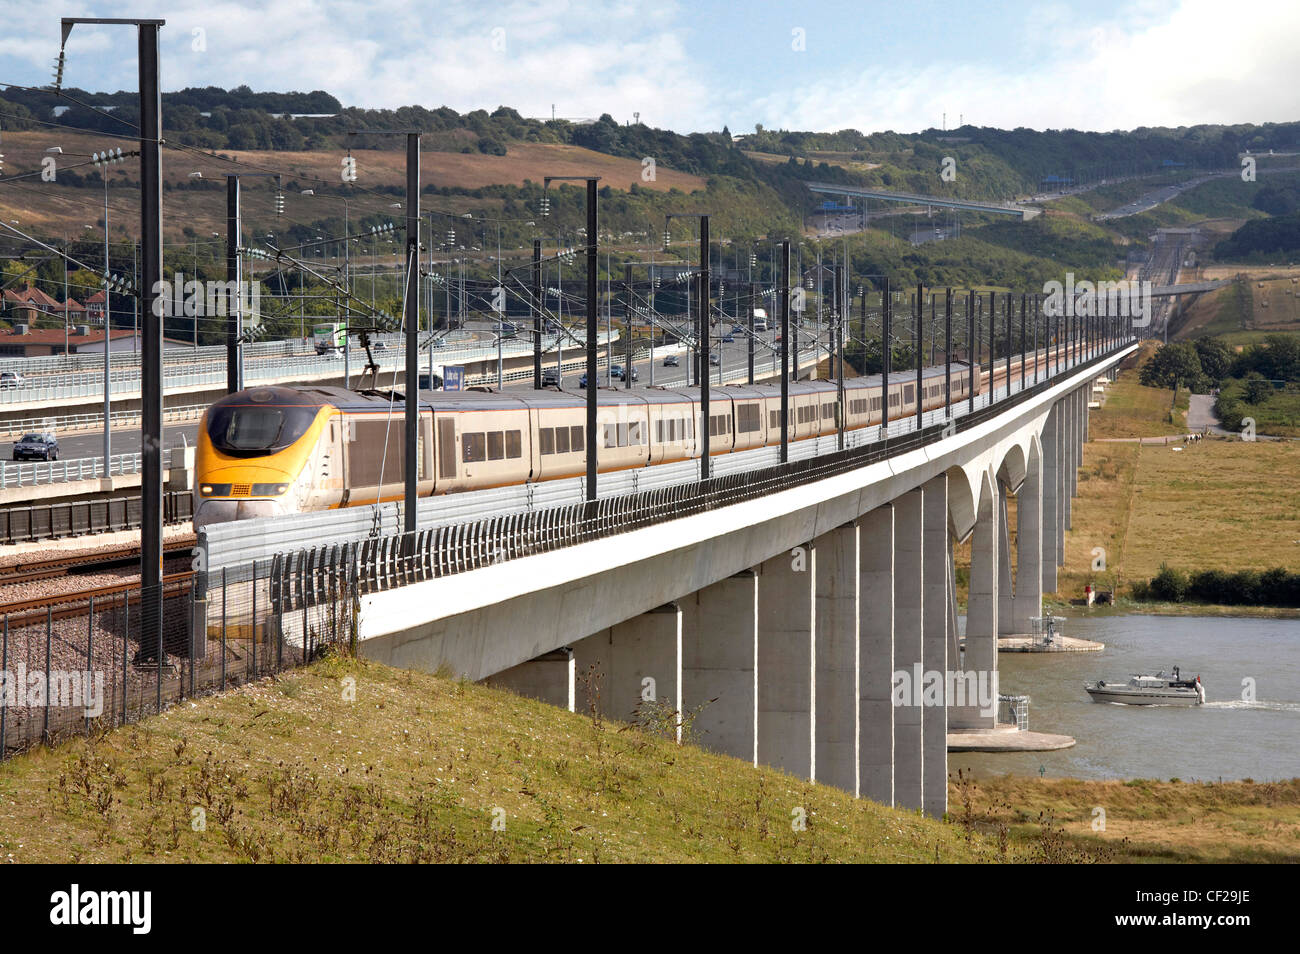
(1139, 820)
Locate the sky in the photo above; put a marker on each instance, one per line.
(701, 65)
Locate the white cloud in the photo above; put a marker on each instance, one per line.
(1205, 62)
(1157, 64)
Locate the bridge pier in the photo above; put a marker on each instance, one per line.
(909, 649)
(981, 655)
(1071, 411)
(720, 665)
(1028, 600)
(837, 649)
(1051, 495)
(1006, 583)
(1084, 396)
(787, 659)
(548, 678)
(876, 657)
(633, 663)
(936, 604)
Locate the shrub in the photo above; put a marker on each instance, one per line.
(1169, 585)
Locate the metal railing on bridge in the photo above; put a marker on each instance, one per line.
(467, 535)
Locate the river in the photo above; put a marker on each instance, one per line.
(1230, 737)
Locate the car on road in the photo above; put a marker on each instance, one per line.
(670, 361)
(582, 381)
(617, 372)
(10, 379)
(715, 358)
(550, 376)
(728, 339)
(37, 447)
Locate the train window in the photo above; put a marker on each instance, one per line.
(562, 440)
(634, 434)
(546, 440)
(622, 435)
(909, 393)
(578, 439)
(446, 449)
(611, 435)
(496, 445)
(514, 445)
(748, 418)
(828, 411)
(473, 448)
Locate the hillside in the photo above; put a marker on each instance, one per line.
(419, 767)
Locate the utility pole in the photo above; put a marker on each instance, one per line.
(537, 314)
(706, 353)
(920, 355)
(837, 356)
(947, 353)
(234, 350)
(785, 351)
(972, 344)
(750, 306)
(886, 357)
(108, 297)
(411, 318)
(592, 265)
(151, 383)
(627, 346)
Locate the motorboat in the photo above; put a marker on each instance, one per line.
(1161, 689)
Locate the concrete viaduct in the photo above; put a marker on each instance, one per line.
(805, 628)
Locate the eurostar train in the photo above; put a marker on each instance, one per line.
(269, 451)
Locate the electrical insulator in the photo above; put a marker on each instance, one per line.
(279, 203)
(668, 238)
(546, 206)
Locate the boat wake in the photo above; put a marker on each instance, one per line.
(1259, 705)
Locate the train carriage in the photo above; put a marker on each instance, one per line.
(269, 451)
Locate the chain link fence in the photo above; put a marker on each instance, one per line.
(82, 665)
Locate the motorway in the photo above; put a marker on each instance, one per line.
(126, 440)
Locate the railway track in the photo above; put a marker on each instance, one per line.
(30, 571)
(74, 603)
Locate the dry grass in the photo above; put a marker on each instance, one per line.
(1132, 410)
(52, 208)
(417, 768)
(1220, 503)
(1145, 820)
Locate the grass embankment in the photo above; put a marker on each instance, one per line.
(417, 768)
(1144, 819)
(1220, 503)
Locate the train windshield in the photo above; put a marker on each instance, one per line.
(246, 431)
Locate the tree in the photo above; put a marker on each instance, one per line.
(1174, 365)
(1257, 388)
(1216, 358)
